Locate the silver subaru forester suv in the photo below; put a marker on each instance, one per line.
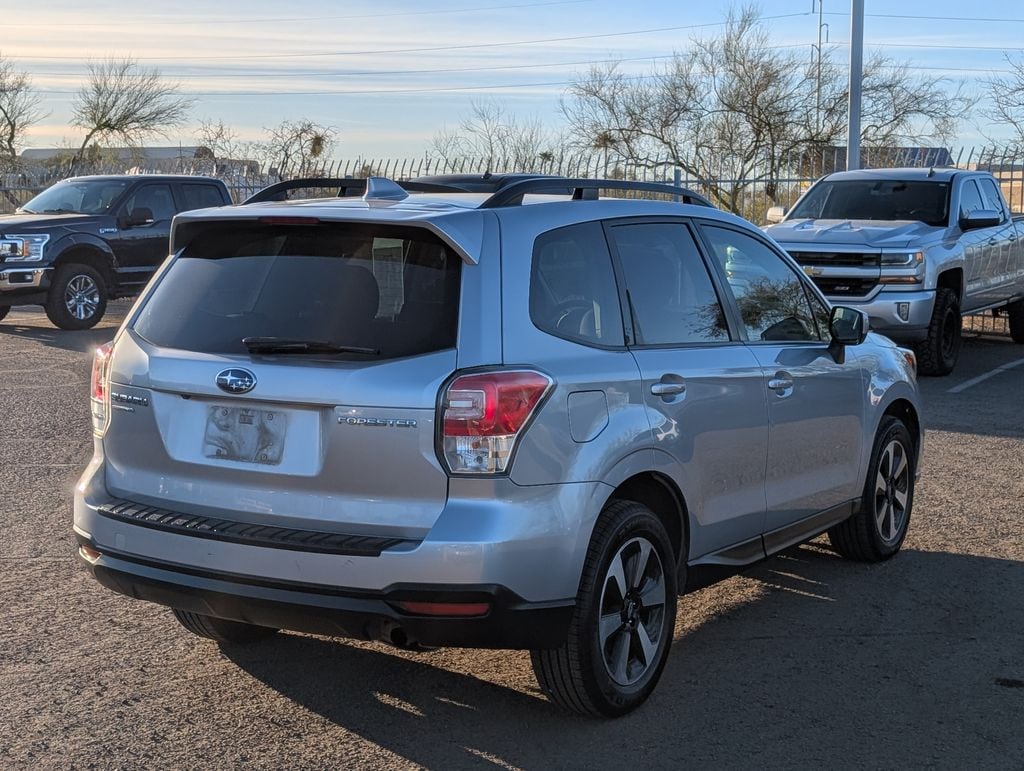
(528, 419)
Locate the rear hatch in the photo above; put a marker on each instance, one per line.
(286, 372)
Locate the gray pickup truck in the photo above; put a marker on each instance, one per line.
(915, 249)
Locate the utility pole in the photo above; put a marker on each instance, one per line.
(822, 27)
(856, 76)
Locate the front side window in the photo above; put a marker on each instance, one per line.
(389, 291)
(993, 200)
(970, 198)
(572, 286)
(772, 302)
(672, 299)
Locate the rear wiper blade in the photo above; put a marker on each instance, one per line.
(289, 345)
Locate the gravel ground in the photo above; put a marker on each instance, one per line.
(805, 660)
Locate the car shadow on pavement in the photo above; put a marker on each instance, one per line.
(806, 659)
(82, 341)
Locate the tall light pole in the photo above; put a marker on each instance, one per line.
(856, 75)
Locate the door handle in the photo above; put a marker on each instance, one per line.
(993, 241)
(668, 389)
(782, 381)
(669, 385)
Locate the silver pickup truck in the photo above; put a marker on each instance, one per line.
(914, 248)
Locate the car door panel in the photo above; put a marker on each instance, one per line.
(816, 403)
(703, 390)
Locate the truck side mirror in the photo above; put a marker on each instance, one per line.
(776, 214)
(981, 218)
(136, 217)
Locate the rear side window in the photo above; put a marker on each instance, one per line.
(158, 198)
(201, 196)
(671, 295)
(394, 290)
(572, 286)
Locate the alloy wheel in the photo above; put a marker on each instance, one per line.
(632, 611)
(82, 297)
(892, 491)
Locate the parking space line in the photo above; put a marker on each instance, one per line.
(982, 378)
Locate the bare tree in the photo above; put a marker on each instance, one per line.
(128, 102)
(19, 109)
(491, 135)
(220, 139)
(300, 147)
(735, 109)
(1006, 99)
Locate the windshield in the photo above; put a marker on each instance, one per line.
(92, 196)
(886, 199)
(332, 288)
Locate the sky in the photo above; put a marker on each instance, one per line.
(390, 74)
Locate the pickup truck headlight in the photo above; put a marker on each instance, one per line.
(15, 248)
(902, 258)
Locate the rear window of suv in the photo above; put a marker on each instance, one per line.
(391, 289)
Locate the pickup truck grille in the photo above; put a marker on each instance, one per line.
(838, 259)
(845, 287)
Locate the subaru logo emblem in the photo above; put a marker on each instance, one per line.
(236, 381)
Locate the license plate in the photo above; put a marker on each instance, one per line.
(245, 434)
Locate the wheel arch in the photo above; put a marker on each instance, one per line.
(952, 278)
(659, 493)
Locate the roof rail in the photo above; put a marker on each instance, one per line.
(346, 186)
(586, 189)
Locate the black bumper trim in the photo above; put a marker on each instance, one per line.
(247, 533)
(511, 623)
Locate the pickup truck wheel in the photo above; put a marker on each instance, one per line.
(938, 353)
(623, 623)
(4, 311)
(877, 530)
(1015, 311)
(221, 630)
(77, 298)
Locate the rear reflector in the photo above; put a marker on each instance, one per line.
(445, 608)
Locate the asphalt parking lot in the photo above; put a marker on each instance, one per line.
(806, 660)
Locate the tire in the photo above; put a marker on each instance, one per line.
(221, 630)
(876, 532)
(77, 298)
(938, 353)
(613, 672)
(1015, 312)
(4, 311)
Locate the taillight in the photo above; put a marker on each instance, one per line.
(484, 414)
(100, 388)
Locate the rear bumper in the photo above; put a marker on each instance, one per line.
(510, 621)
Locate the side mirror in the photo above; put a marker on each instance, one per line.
(981, 218)
(136, 217)
(776, 214)
(848, 326)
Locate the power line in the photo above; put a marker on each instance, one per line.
(461, 47)
(931, 18)
(286, 19)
